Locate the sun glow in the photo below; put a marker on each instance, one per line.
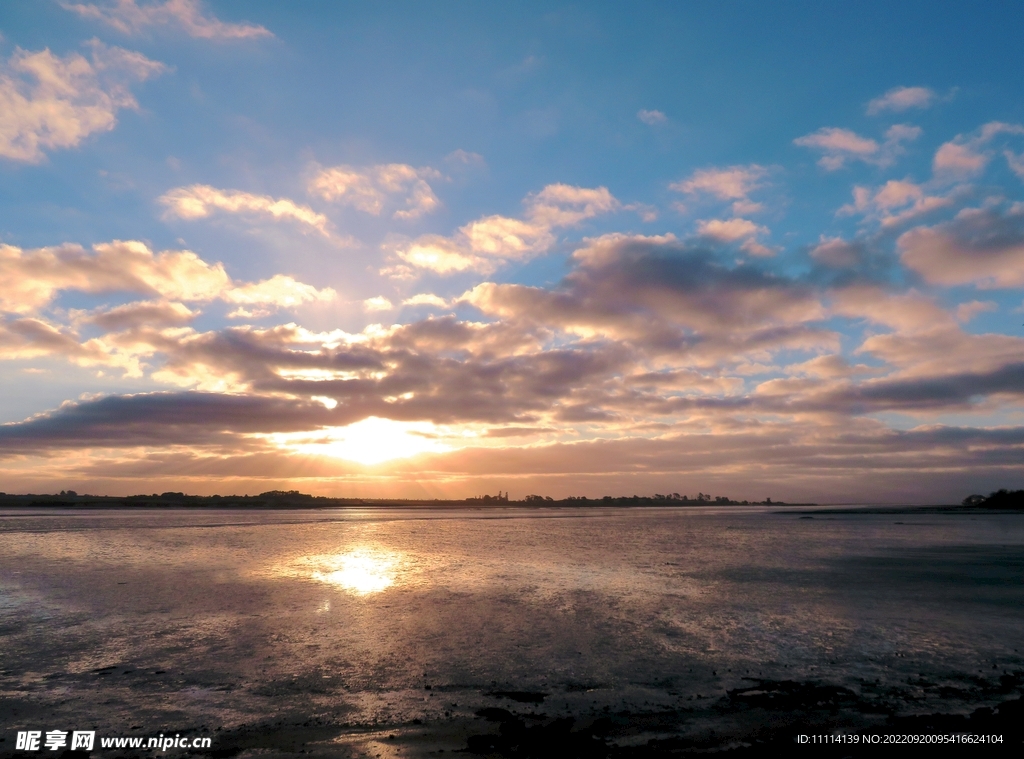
(370, 441)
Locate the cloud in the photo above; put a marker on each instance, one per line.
(279, 291)
(838, 145)
(26, 338)
(924, 353)
(953, 391)
(734, 230)
(48, 102)
(729, 230)
(567, 353)
(907, 312)
(485, 244)
(199, 201)
(129, 17)
(959, 160)
(965, 312)
(652, 118)
(902, 98)
(682, 357)
(830, 366)
(32, 278)
(141, 313)
(425, 299)
(842, 145)
(1015, 162)
(370, 189)
(500, 237)
(465, 158)
(733, 183)
(965, 156)
(562, 205)
(856, 461)
(836, 252)
(440, 255)
(664, 294)
(651, 357)
(161, 419)
(980, 246)
(894, 203)
(378, 303)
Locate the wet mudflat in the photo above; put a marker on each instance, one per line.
(509, 632)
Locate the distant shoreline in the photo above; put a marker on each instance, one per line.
(287, 502)
(894, 510)
(278, 501)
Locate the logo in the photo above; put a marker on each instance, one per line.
(30, 740)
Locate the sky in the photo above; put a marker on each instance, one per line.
(409, 250)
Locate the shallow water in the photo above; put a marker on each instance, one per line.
(275, 630)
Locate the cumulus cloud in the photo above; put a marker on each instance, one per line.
(733, 183)
(961, 160)
(842, 145)
(32, 278)
(950, 392)
(980, 246)
(626, 299)
(894, 203)
(966, 155)
(664, 294)
(838, 145)
(967, 311)
(837, 252)
(130, 17)
(734, 230)
(199, 201)
(651, 118)
(729, 230)
(829, 366)
(25, 338)
(159, 313)
(485, 244)
(370, 189)
(378, 303)
(48, 102)
(901, 99)
(278, 292)
(161, 419)
(905, 312)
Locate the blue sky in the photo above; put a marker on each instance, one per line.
(571, 249)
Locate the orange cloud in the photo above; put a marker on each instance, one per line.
(48, 102)
(485, 244)
(128, 17)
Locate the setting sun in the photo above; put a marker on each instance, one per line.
(370, 441)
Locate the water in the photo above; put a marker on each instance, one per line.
(280, 631)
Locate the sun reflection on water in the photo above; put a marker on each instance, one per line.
(361, 571)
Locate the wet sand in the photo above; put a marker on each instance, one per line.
(558, 632)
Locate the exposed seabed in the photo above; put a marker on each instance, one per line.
(624, 633)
